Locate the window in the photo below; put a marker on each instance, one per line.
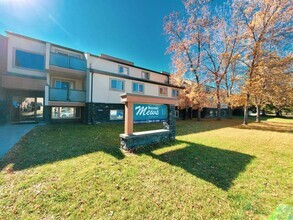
(145, 75)
(123, 70)
(175, 93)
(63, 84)
(137, 87)
(117, 84)
(116, 114)
(29, 60)
(163, 91)
(65, 112)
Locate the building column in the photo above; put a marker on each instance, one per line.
(47, 60)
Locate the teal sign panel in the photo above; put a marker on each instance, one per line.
(143, 113)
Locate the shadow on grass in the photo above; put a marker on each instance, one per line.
(21, 160)
(51, 143)
(217, 166)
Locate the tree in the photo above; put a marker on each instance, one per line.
(221, 48)
(191, 94)
(203, 46)
(232, 84)
(267, 28)
(253, 36)
(279, 86)
(185, 35)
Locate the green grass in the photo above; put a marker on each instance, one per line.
(282, 120)
(214, 170)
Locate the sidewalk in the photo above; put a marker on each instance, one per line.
(11, 134)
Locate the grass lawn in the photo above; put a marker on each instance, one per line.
(275, 119)
(214, 170)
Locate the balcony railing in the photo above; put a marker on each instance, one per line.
(66, 95)
(69, 62)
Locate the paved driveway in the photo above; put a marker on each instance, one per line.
(11, 134)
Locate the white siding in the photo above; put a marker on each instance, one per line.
(104, 65)
(103, 94)
(112, 67)
(15, 42)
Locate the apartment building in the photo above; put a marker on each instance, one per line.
(44, 81)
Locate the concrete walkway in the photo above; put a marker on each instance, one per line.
(11, 134)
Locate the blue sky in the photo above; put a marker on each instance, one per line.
(128, 29)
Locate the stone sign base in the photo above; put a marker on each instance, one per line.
(144, 138)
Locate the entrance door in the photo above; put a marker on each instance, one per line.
(25, 109)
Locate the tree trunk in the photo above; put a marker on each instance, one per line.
(218, 111)
(198, 115)
(218, 103)
(190, 113)
(184, 114)
(277, 113)
(257, 114)
(229, 112)
(245, 120)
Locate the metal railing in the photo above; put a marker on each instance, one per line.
(69, 62)
(66, 95)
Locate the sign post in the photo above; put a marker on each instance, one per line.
(128, 125)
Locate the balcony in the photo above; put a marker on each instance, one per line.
(68, 62)
(66, 95)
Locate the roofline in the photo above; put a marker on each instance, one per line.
(41, 41)
(78, 51)
(139, 67)
(23, 36)
(116, 59)
(132, 78)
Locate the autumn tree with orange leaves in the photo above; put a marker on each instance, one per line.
(203, 47)
(221, 48)
(267, 31)
(209, 44)
(233, 81)
(185, 35)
